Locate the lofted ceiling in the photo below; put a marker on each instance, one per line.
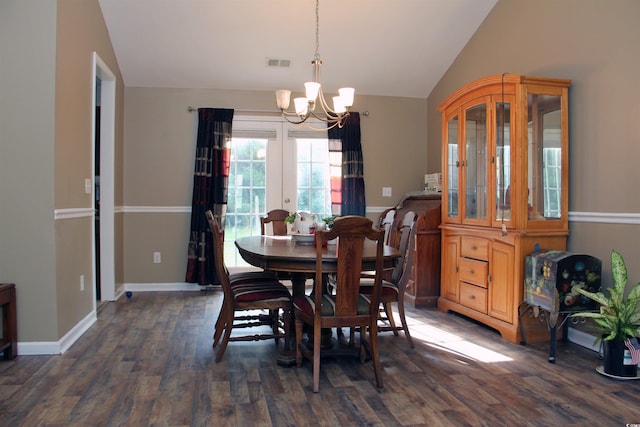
(380, 47)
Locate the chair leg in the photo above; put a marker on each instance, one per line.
(317, 334)
(227, 333)
(363, 343)
(287, 314)
(389, 312)
(375, 357)
(275, 322)
(299, 325)
(403, 320)
(221, 323)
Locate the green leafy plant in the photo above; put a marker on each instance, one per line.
(329, 221)
(619, 316)
(291, 218)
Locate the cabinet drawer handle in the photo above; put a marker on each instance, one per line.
(470, 271)
(474, 248)
(457, 163)
(472, 297)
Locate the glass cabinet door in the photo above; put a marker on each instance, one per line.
(475, 163)
(503, 161)
(452, 168)
(544, 157)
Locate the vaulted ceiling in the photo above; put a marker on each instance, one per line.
(380, 47)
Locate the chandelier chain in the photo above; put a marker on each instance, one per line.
(317, 56)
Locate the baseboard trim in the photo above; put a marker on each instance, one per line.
(39, 348)
(583, 339)
(160, 287)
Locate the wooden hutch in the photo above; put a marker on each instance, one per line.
(505, 192)
(423, 286)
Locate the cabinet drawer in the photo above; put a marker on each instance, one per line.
(475, 247)
(474, 271)
(473, 297)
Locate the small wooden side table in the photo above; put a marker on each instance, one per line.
(9, 340)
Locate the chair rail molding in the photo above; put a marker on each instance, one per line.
(605, 217)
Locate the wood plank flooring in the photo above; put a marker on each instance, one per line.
(148, 361)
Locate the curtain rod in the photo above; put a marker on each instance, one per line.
(191, 109)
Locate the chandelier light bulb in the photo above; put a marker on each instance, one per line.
(338, 105)
(347, 93)
(302, 106)
(312, 89)
(282, 98)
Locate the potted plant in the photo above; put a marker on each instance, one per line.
(618, 319)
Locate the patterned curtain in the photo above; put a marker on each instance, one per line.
(210, 179)
(351, 187)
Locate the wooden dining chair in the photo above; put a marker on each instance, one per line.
(393, 288)
(276, 218)
(245, 292)
(347, 307)
(385, 222)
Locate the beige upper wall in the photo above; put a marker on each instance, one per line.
(160, 142)
(593, 43)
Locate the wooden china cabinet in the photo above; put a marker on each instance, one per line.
(505, 192)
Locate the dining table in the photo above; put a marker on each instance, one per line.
(287, 254)
(298, 259)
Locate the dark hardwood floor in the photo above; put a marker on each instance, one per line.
(148, 361)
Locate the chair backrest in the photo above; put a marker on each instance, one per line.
(405, 229)
(276, 218)
(385, 222)
(218, 252)
(407, 259)
(351, 232)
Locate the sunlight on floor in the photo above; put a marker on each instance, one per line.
(455, 344)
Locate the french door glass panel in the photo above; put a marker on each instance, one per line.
(273, 166)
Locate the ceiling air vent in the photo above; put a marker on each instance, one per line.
(278, 63)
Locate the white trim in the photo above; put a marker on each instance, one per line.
(597, 217)
(107, 130)
(377, 209)
(611, 218)
(59, 347)
(162, 287)
(70, 213)
(583, 339)
(156, 209)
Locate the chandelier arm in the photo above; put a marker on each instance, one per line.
(324, 105)
(287, 114)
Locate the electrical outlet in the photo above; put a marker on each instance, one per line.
(157, 258)
(386, 191)
(82, 282)
(87, 186)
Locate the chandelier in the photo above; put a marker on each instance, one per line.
(314, 97)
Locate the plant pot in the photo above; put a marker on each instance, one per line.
(614, 360)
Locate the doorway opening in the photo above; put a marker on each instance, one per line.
(104, 83)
